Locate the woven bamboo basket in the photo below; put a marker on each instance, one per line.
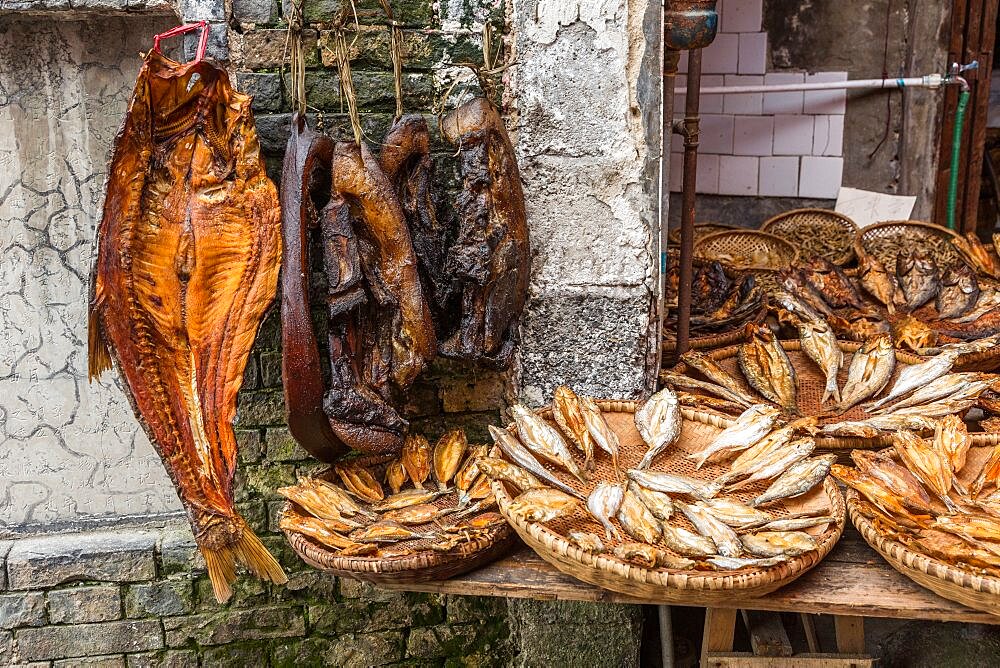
(700, 230)
(816, 232)
(422, 565)
(885, 240)
(811, 382)
(712, 341)
(747, 249)
(966, 586)
(686, 587)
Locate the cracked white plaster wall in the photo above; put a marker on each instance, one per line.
(69, 450)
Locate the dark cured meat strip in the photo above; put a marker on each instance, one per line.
(490, 259)
(406, 160)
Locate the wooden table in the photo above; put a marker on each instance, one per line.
(853, 582)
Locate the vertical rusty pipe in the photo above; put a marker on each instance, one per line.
(671, 59)
(689, 129)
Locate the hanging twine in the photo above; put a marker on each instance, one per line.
(396, 54)
(295, 54)
(342, 54)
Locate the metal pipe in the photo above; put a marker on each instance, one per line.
(666, 636)
(689, 129)
(671, 59)
(928, 81)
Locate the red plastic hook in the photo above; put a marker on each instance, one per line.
(183, 29)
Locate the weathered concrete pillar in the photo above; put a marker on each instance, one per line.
(586, 86)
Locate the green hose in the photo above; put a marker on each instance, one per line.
(956, 147)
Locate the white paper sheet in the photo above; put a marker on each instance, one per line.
(867, 208)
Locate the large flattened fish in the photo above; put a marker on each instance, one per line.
(188, 250)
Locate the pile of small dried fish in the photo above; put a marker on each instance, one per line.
(718, 303)
(920, 495)
(359, 519)
(646, 513)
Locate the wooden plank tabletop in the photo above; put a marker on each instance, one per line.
(852, 580)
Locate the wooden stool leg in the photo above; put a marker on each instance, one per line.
(809, 628)
(850, 634)
(720, 626)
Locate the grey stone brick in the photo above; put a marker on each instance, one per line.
(22, 610)
(367, 649)
(64, 642)
(124, 556)
(6, 648)
(218, 43)
(255, 11)
(249, 445)
(282, 447)
(85, 604)
(160, 599)
(174, 658)
(266, 91)
(202, 10)
(92, 662)
(270, 368)
(235, 625)
(5, 546)
(261, 409)
(179, 553)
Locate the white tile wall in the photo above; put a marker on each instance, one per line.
(769, 144)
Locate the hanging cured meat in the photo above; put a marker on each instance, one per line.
(406, 160)
(188, 251)
(350, 414)
(490, 259)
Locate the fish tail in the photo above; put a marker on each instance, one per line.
(647, 459)
(832, 391)
(98, 355)
(248, 551)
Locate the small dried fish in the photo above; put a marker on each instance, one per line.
(734, 513)
(916, 376)
(877, 281)
(820, 344)
(871, 489)
(870, 371)
(484, 521)
(751, 426)
(318, 506)
(687, 543)
(637, 521)
(964, 347)
(395, 475)
(512, 447)
(336, 497)
(406, 498)
(937, 409)
(386, 531)
(660, 504)
(990, 473)
(725, 539)
(651, 557)
(932, 468)
(588, 542)
(797, 480)
(797, 523)
(773, 464)
(544, 440)
(951, 438)
(688, 383)
(953, 385)
(828, 281)
(599, 430)
(918, 277)
(360, 482)
(418, 514)
(416, 459)
(448, 454)
(798, 309)
(736, 563)
(913, 333)
(360, 550)
(779, 543)
(709, 368)
(767, 367)
(895, 478)
(568, 414)
(498, 469)
(603, 503)
(543, 505)
(989, 300)
(669, 483)
(659, 423)
(974, 250)
(480, 489)
(959, 292)
(314, 528)
(775, 441)
(705, 401)
(468, 473)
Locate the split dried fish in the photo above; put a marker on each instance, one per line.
(636, 519)
(736, 563)
(395, 476)
(660, 504)
(406, 498)
(669, 483)
(314, 528)
(544, 440)
(468, 473)
(568, 414)
(416, 459)
(797, 308)
(779, 543)
(651, 557)
(990, 473)
(603, 503)
(360, 482)
(974, 250)
(735, 513)
(797, 480)
(775, 441)
(951, 438)
(829, 281)
(360, 550)
(871, 489)
(870, 371)
(751, 426)
(512, 447)
(688, 543)
(725, 539)
(337, 497)
(418, 514)
(448, 454)
(316, 505)
(774, 464)
(659, 423)
(950, 386)
(588, 542)
(916, 376)
(820, 344)
(688, 383)
(878, 282)
(767, 368)
(797, 523)
(959, 292)
(918, 276)
(709, 368)
(386, 531)
(543, 505)
(895, 478)
(600, 431)
(498, 469)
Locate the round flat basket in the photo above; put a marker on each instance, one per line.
(700, 230)
(746, 249)
(686, 587)
(965, 584)
(811, 383)
(422, 565)
(816, 232)
(713, 340)
(884, 241)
